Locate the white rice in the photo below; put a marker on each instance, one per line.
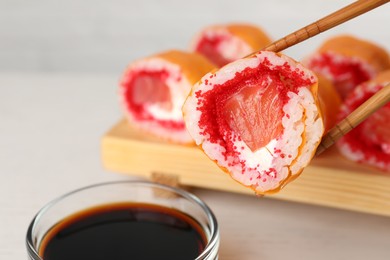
(300, 122)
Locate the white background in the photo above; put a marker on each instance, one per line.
(104, 35)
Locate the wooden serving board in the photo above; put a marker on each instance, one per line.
(329, 180)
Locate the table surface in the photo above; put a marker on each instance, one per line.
(50, 130)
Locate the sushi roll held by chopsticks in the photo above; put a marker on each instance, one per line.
(258, 118)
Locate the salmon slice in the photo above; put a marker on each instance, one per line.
(258, 118)
(222, 44)
(153, 91)
(369, 142)
(254, 110)
(150, 87)
(348, 61)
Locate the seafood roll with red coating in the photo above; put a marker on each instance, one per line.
(222, 44)
(348, 61)
(330, 102)
(369, 142)
(153, 91)
(258, 118)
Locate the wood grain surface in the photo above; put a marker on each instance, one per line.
(329, 180)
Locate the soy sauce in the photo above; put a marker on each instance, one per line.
(124, 231)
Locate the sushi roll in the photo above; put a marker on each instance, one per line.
(369, 142)
(348, 61)
(153, 90)
(330, 102)
(222, 44)
(258, 118)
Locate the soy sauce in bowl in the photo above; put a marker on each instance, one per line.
(124, 220)
(124, 231)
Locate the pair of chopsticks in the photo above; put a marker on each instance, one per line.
(372, 104)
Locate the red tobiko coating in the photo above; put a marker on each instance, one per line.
(347, 74)
(219, 124)
(378, 125)
(208, 46)
(372, 136)
(145, 88)
(149, 87)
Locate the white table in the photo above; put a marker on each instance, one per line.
(50, 130)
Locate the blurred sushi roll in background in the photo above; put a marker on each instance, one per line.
(258, 118)
(348, 61)
(330, 102)
(222, 44)
(369, 142)
(153, 90)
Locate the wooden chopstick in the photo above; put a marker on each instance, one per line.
(371, 105)
(344, 14)
(347, 13)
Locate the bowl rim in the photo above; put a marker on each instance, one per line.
(214, 229)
